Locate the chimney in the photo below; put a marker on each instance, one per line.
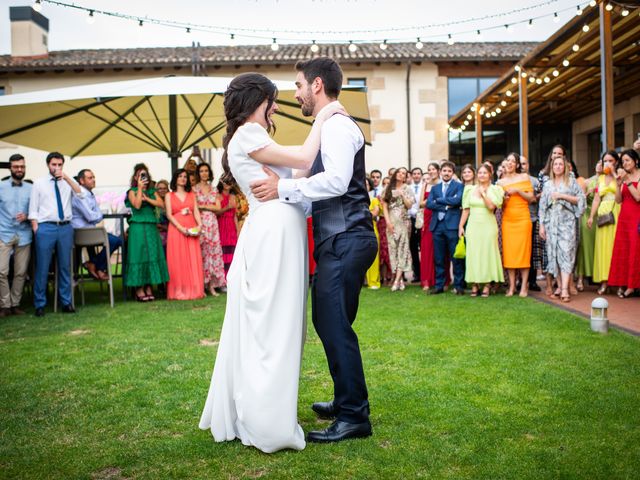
(29, 32)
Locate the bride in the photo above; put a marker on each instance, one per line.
(254, 388)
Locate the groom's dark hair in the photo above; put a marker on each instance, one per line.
(327, 69)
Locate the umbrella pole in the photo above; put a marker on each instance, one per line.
(174, 154)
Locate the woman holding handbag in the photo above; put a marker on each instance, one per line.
(605, 211)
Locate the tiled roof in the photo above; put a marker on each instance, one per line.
(262, 54)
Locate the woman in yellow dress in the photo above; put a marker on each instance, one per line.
(604, 202)
(516, 223)
(373, 274)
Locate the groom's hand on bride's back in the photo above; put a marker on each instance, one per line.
(267, 188)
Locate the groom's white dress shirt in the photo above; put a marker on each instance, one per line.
(340, 140)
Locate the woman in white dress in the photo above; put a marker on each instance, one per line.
(254, 388)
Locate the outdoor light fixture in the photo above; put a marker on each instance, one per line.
(469, 117)
(530, 24)
(352, 47)
(624, 12)
(493, 114)
(383, 45)
(419, 44)
(140, 23)
(314, 47)
(585, 28)
(556, 73)
(565, 63)
(517, 68)
(508, 93)
(599, 320)
(513, 80)
(503, 103)
(593, 3)
(538, 81)
(608, 7)
(37, 6)
(450, 40)
(575, 47)
(556, 18)
(232, 39)
(91, 19)
(523, 74)
(479, 35)
(547, 79)
(532, 79)
(466, 122)
(275, 46)
(488, 115)
(508, 28)
(578, 10)
(498, 110)
(481, 110)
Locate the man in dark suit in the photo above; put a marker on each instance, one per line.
(445, 201)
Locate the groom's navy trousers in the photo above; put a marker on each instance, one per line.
(341, 263)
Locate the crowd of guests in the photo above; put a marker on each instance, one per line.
(181, 234)
(517, 228)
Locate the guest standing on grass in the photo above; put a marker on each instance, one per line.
(561, 206)
(604, 217)
(516, 223)
(468, 175)
(396, 201)
(625, 261)
(50, 213)
(482, 261)
(209, 206)
(162, 188)
(445, 201)
(146, 264)
(373, 274)
(15, 235)
(584, 263)
(228, 223)
(427, 265)
(184, 256)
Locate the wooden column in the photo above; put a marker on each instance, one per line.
(523, 108)
(478, 137)
(606, 79)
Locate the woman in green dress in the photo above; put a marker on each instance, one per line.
(584, 267)
(479, 202)
(146, 264)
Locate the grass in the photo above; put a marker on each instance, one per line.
(459, 388)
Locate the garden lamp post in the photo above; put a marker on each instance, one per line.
(599, 320)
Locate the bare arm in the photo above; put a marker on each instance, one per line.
(172, 219)
(385, 214)
(74, 186)
(196, 214)
(594, 209)
(463, 220)
(135, 198)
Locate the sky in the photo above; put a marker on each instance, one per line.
(291, 21)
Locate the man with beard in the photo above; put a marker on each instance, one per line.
(15, 235)
(345, 245)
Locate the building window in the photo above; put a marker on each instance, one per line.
(357, 82)
(2, 92)
(463, 90)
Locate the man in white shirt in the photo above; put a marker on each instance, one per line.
(345, 245)
(376, 178)
(414, 234)
(50, 214)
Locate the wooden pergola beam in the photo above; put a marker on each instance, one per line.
(606, 78)
(478, 137)
(524, 115)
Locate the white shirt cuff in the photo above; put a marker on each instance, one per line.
(287, 190)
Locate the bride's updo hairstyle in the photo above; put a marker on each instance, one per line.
(245, 94)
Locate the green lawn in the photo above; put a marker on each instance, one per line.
(459, 388)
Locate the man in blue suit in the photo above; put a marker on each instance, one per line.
(445, 201)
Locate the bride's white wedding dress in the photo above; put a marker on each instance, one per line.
(254, 388)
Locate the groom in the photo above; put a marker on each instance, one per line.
(345, 245)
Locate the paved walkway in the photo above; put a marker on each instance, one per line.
(623, 314)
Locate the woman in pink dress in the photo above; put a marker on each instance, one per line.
(184, 257)
(209, 206)
(228, 223)
(427, 265)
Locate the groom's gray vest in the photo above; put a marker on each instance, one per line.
(349, 212)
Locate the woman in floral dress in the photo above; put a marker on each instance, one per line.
(396, 201)
(209, 205)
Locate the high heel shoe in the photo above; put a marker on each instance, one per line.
(486, 291)
(580, 286)
(564, 296)
(603, 290)
(401, 286)
(394, 287)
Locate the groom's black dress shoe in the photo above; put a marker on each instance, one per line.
(437, 291)
(325, 410)
(339, 431)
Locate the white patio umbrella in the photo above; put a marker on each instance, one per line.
(170, 114)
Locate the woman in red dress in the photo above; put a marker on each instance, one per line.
(184, 257)
(228, 223)
(625, 262)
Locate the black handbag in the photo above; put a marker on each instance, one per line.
(606, 219)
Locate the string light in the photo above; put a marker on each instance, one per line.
(547, 79)
(530, 24)
(232, 39)
(352, 46)
(592, 3)
(565, 62)
(466, 122)
(538, 81)
(532, 79)
(556, 73)
(493, 114)
(575, 47)
(517, 68)
(274, 45)
(450, 40)
(469, 117)
(498, 110)
(473, 107)
(419, 44)
(578, 10)
(140, 23)
(608, 7)
(314, 47)
(37, 6)
(481, 110)
(514, 80)
(524, 74)
(556, 18)
(383, 45)
(508, 93)
(624, 12)
(503, 103)
(488, 115)
(91, 19)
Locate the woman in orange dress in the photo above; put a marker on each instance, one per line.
(516, 223)
(184, 256)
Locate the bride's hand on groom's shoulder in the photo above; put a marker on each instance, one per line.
(330, 110)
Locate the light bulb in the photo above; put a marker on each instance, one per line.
(565, 63)
(498, 110)
(575, 47)
(556, 73)
(508, 93)
(592, 3)
(352, 47)
(314, 47)
(419, 44)
(517, 68)
(556, 18)
(469, 117)
(578, 10)
(37, 6)
(608, 7)
(383, 45)
(493, 114)
(547, 79)
(524, 74)
(624, 12)
(466, 122)
(275, 46)
(450, 40)
(538, 81)
(532, 79)
(530, 24)
(488, 115)
(503, 103)
(585, 28)
(91, 19)
(514, 80)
